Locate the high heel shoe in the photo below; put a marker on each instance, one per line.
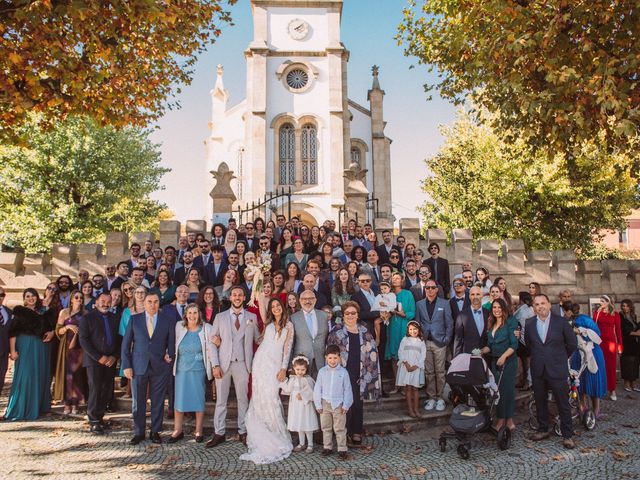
(199, 438)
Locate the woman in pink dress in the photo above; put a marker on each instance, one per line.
(608, 321)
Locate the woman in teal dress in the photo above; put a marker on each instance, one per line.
(30, 332)
(397, 328)
(165, 289)
(193, 346)
(501, 347)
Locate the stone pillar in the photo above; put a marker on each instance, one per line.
(539, 266)
(63, 259)
(591, 271)
(410, 230)
(222, 193)
(37, 263)
(117, 244)
(488, 251)
(12, 262)
(513, 257)
(196, 226)
(617, 272)
(141, 237)
(440, 237)
(382, 224)
(169, 233)
(89, 257)
(379, 148)
(356, 192)
(462, 246)
(563, 265)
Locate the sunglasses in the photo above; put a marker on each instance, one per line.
(457, 284)
(365, 281)
(394, 256)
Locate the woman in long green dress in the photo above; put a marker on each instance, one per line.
(397, 328)
(501, 347)
(30, 332)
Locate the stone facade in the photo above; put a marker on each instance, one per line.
(554, 270)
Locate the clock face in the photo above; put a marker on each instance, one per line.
(298, 29)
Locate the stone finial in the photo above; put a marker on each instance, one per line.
(375, 70)
(222, 193)
(356, 178)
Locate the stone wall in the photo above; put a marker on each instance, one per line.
(554, 270)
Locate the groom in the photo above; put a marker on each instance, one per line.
(237, 329)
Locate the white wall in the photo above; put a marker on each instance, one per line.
(278, 29)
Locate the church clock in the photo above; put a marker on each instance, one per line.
(298, 29)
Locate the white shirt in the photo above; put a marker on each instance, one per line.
(334, 386)
(543, 327)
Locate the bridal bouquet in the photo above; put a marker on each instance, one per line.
(259, 269)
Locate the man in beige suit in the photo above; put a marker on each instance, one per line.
(236, 330)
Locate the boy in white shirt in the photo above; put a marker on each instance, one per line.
(333, 397)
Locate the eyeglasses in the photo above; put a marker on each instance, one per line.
(425, 273)
(365, 281)
(52, 288)
(458, 284)
(394, 256)
(350, 312)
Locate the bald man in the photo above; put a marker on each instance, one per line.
(471, 324)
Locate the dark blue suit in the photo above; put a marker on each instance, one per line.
(4, 343)
(146, 357)
(549, 369)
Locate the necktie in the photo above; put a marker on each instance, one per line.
(107, 331)
(310, 323)
(435, 270)
(237, 324)
(181, 310)
(150, 326)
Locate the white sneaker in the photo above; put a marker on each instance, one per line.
(613, 396)
(430, 405)
(440, 405)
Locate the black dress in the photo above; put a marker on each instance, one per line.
(630, 358)
(355, 413)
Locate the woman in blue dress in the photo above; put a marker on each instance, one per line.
(398, 321)
(30, 332)
(191, 369)
(592, 385)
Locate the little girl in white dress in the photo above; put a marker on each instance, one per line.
(411, 356)
(302, 416)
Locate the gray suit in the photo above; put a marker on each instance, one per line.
(304, 344)
(238, 371)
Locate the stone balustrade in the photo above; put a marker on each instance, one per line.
(554, 270)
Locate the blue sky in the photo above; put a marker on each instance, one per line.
(368, 30)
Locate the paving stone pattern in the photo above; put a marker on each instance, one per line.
(61, 448)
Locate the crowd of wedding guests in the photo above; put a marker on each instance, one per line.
(393, 311)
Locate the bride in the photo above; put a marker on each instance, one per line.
(268, 439)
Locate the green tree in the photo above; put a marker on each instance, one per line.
(76, 182)
(508, 190)
(117, 61)
(555, 73)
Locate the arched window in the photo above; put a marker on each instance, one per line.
(356, 155)
(287, 154)
(309, 154)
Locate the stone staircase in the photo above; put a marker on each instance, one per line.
(386, 415)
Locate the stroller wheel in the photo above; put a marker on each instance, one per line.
(504, 438)
(443, 444)
(463, 451)
(556, 429)
(589, 420)
(533, 423)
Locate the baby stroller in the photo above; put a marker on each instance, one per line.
(474, 393)
(587, 417)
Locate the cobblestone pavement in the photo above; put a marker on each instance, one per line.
(59, 448)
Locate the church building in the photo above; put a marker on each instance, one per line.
(297, 127)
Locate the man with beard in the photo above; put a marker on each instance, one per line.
(64, 284)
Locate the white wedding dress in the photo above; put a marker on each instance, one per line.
(268, 439)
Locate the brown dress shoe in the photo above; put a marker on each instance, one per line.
(569, 443)
(536, 437)
(215, 441)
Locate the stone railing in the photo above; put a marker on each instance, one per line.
(554, 270)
